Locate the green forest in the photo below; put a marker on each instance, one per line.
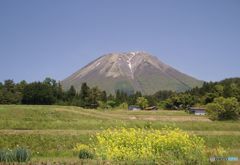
(213, 95)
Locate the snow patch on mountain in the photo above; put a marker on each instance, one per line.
(130, 64)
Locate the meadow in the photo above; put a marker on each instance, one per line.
(51, 132)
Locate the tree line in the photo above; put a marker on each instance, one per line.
(50, 92)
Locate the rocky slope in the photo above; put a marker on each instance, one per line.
(133, 71)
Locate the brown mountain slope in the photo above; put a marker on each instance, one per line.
(133, 71)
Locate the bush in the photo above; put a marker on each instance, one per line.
(123, 106)
(111, 103)
(170, 146)
(85, 152)
(16, 155)
(223, 109)
(142, 102)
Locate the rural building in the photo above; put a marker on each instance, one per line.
(151, 108)
(197, 110)
(134, 108)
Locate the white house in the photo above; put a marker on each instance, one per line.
(197, 110)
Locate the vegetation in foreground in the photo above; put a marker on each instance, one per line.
(165, 146)
(51, 132)
(15, 155)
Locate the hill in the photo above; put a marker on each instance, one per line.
(128, 72)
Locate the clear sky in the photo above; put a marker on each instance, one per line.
(54, 38)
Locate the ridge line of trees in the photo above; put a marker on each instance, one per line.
(50, 92)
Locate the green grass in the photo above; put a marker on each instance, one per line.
(44, 145)
(53, 131)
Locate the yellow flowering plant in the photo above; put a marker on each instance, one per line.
(168, 146)
(80, 146)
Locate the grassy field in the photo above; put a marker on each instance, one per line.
(51, 132)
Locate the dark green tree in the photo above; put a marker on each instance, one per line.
(94, 97)
(59, 92)
(38, 93)
(163, 95)
(85, 95)
(71, 93)
(121, 97)
(180, 101)
(103, 96)
(9, 93)
(21, 85)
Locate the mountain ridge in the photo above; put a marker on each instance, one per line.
(131, 71)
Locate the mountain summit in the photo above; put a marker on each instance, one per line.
(132, 71)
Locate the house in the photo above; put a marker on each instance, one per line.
(151, 108)
(197, 110)
(134, 108)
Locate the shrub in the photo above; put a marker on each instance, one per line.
(142, 102)
(170, 146)
(223, 109)
(111, 103)
(123, 106)
(85, 152)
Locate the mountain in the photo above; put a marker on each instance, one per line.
(132, 71)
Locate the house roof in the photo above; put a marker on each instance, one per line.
(197, 108)
(133, 107)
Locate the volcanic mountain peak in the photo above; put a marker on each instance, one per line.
(126, 64)
(138, 71)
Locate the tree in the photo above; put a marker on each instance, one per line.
(84, 95)
(94, 97)
(56, 87)
(38, 93)
(59, 92)
(223, 109)
(1, 97)
(180, 101)
(163, 95)
(9, 85)
(121, 97)
(209, 97)
(151, 100)
(9, 93)
(50, 81)
(103, 96)
(1, 86)
(219, 89)
(20, 86)
(142, 102)
(71, 93)
(132, 99)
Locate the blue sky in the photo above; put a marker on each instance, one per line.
(54, 38)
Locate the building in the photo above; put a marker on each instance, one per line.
(134, 108)
(197, 110)
(151, 108)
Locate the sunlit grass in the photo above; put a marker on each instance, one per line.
(52, 131)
